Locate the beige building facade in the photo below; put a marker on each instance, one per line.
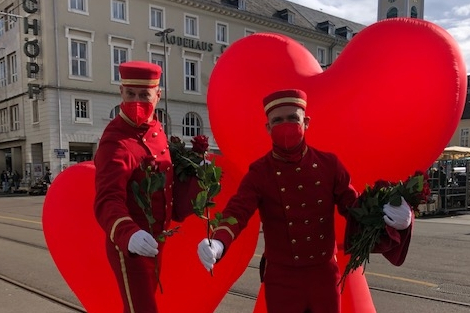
(59, 61)
(59, 80)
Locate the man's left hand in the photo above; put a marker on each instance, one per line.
(398, 217)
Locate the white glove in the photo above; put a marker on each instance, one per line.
(398, 217)
(208, 255)
(208, 162)
(142, 243)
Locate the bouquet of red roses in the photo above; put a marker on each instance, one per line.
(193, 162)
(369, 214)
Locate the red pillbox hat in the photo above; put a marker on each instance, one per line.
(140, 74)
(287, 97)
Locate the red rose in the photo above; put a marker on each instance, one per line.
(200, 144)
(149, 163)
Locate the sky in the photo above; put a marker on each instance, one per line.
(452, 15)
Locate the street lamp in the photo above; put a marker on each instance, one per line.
(163, 34)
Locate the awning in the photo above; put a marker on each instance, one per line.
(455, 153)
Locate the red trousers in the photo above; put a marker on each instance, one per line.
(136, 279)
(302, 290)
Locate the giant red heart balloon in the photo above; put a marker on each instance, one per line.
(387, 106)
(76, 241)
(77, 245)
(396, 84)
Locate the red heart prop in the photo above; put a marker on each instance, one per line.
(396, 85)
(76, 241)
(77, 245)
(366, 97)
(182, 272)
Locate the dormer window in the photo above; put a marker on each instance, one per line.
(287, 15)
(327, 26)
(345, 32)
(240, 4)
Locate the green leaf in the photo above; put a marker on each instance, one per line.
(139, 198)
(157, 182)
(230, 220)
(144, 185)
(150, 219)
(200, 173)
(199, 204)
(214, 190)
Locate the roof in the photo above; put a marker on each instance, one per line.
(304, 17)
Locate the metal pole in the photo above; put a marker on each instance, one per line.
(166, 86)
(163, 34)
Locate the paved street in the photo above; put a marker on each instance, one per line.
(434, 277)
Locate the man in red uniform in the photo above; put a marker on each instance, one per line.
(295, 187)
(135, 134)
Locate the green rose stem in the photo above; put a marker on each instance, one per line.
(194, 163)
(152, 182)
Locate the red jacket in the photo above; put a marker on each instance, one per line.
(296, 203)
(117, 162)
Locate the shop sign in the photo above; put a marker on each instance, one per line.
(31, 48)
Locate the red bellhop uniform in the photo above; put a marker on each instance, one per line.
(296, 202)
(121, 151)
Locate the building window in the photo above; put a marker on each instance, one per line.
(158, 59)
(2, 26)
(3, 73)
(79, 58)
(191, 25)
(14, 117)
(114, 112)
(3, 120)
(191, 75)
(192, 125)
(12, 68)
(321, 56)
(81, 110)
(221, 35)
(120, 53)
(464, 134)
(414, 12)
(119, 10)
(242, 5)
(157, 16)
(35, 109)
(164, 119)
(80, 6)
(192, 71)
(11, 18)
(291, 18)
(79, 44)
(392, 12)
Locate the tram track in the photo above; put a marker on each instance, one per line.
(233, 292)
(43, 294)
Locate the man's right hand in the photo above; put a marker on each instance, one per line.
(142, 243)
(209, 253)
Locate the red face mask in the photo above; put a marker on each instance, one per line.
(137, 112)
(287, 135)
